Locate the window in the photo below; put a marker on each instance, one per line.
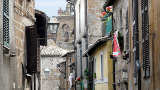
(94, 64)
(145, 38)
(51, 28)
(6, 23)
(101, 58)
(127, 32)
(135, 33)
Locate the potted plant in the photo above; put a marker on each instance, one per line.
(94, 75)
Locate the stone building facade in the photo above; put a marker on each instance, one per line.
(24, 15)
(120, 25)
(16, 17)
(69, 70)
(53, 25)
(66, 12)
(65, 33)
(88, 30)
(61, 30)
(21, 14)
(144, 55)
(51, 75)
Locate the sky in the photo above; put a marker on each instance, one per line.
(50, 7)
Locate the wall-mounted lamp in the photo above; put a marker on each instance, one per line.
(46, 72)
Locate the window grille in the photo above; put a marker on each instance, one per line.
(145, 38)
(137, 76)
(135, 32)
(127, 32)
(102, 76)
(6, 23)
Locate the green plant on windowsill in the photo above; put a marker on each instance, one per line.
(94, 75)
(86, 74)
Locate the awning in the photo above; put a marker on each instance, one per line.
(91, 48)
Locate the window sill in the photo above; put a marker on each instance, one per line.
(6, 49)
(100, 81)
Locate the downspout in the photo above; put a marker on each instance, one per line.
(114, 62)
(75, 55)
(34, 81)
(114, 74)
(86, 29)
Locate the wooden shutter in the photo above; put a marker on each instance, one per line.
(32, 49)
(127, 34)
(135, 30)
(6, 23)
(145, 37)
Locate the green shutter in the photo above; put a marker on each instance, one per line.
(6, 23)
(108, 22)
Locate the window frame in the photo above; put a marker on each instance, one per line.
(102, 66)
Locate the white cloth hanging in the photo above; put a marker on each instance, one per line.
(71, 76)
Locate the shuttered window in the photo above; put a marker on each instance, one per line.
(6, 23)
(135, 30)
(127, 32)
(32, 50)
(135, 37)
(145, 37)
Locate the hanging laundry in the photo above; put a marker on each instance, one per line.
(116, 48)
(71, 77)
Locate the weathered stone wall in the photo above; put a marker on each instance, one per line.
(154, 38)
(52, 80)
(120, 15)
(5, 62)
(23, 16)
(65, 31)
(152, 82)
(88, 30)
(94, 22)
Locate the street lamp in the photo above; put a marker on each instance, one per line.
(46, 72)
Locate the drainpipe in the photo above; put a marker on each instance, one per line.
(114, 62)
(114, 74)
(86, 29)
(75, 55)
(34, 81)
